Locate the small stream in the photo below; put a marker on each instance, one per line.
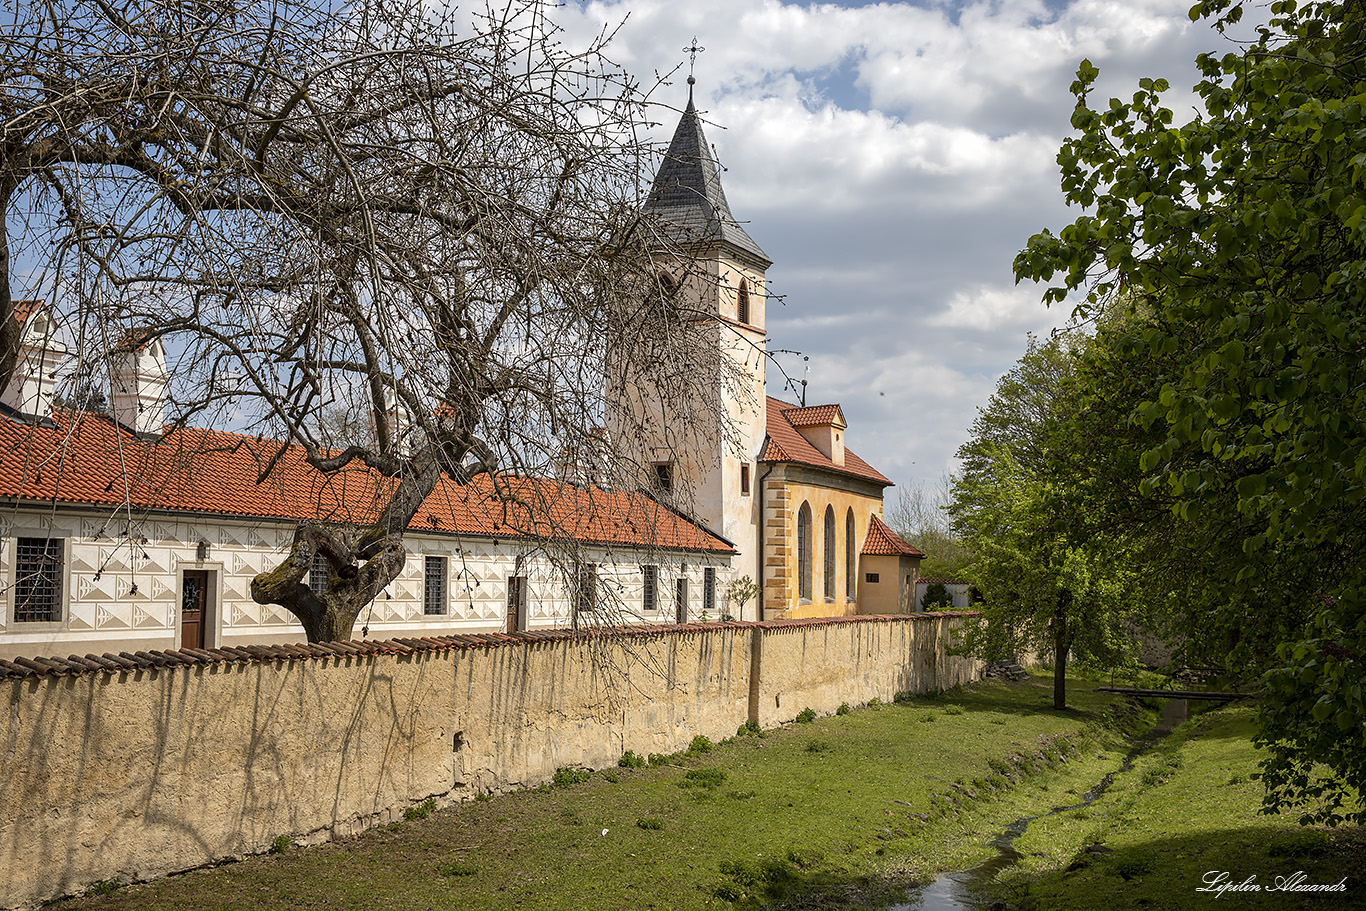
(955, 891)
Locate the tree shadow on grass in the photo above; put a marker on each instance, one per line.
(1168, 873)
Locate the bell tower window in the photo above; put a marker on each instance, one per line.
(742, 305)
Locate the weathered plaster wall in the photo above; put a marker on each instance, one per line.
(821, 666)
(137, 774)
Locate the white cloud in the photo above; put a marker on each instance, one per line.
(892, 158)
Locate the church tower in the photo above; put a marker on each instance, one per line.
(717, 271)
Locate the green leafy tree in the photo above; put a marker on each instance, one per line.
(1052, 582)
(1241, 236)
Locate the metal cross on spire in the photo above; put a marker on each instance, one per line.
(692, 53)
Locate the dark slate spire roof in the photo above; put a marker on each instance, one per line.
(687, 192)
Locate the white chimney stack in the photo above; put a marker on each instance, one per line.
(137, 378)
(40, 354)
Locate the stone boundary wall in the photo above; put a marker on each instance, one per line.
(134, 766)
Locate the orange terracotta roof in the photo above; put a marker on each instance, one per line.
(786, 444)
(87, 459)
(24, 309)
(883, 542)
(815, 416)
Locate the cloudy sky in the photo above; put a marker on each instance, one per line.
(892, 158)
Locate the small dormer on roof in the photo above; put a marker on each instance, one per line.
(687, 196)
(822, 426)
(137, 382)
(41, 352)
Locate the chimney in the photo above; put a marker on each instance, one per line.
(40, 354)
(137, 379)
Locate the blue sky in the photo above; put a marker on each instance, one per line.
(892, 158)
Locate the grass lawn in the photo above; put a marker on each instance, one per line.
(844, 811)
(1186, 811)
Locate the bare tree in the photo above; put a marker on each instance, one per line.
(920, 515)
(429, 223)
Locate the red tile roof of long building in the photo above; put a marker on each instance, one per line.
(786, 444)
(883, 542)
(87, 459)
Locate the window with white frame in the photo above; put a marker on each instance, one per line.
(38, 580)
(650, 594)
(434, 586)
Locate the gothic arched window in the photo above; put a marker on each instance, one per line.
(830, 553)
(850, 576)
(804, 552)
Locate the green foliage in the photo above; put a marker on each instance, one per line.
(750, 727)
(937, 597)
(631, 760)
(953, 709)
(843, 709)
(700, 744)
(568, 775)
(658, 759)
(104, 887)
(819, 746)
(1230, 254)
(281, 844)
(703, 778)
(740, 592)
(650, 823)
(457, 868)
(421, 811)
(806, 716)
(1054, 581)
(902, 697)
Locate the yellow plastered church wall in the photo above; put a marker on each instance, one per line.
(786, 488)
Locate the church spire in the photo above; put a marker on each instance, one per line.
(687, 193)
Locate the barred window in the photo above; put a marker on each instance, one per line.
(38, 580)
(708, 589)
(650, 598)
(585, 589)
(434, 586)
(317, 575)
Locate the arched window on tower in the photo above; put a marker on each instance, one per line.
(742, 305)
(850, 577)
(804, 552)
(829, 553)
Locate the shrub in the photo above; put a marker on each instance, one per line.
(936, 597)
(568, 775)
(806, 716)
(749, 727)
(613, 777)
(953, 710)
(928, 716)
(483, 796)
(903, 697)
(702, 778)
(844, 709)
(421, 811)
(631, 760)
(659, 759)
(700, 744)
(281, 844)
(875, 703)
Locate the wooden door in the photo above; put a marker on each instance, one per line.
(194, 600)
(516, 603)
